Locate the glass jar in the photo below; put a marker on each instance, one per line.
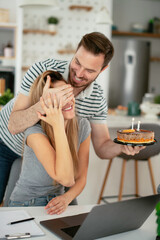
(148, 97)
(156, 25)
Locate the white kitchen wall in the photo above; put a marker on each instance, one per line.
(11, 5)
(73, 24)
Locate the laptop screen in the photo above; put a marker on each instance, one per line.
(71, 231)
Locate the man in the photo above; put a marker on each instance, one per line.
(93, 54)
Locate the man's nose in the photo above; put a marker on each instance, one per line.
(80, 72)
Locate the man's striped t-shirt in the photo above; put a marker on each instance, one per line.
(90, 103)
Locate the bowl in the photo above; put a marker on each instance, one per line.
(151, 110)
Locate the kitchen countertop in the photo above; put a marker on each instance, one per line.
(114, 121)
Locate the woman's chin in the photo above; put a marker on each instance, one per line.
(68, 115)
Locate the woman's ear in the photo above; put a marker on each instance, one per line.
(104, 68)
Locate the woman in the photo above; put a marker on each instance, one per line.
(56, 153)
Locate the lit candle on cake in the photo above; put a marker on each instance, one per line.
(132, 123)
(138, 127)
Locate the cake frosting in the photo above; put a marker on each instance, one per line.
(135, 136)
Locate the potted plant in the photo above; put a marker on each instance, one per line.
(158, 220)
(52, 22)
(6, 97)
(157, 101)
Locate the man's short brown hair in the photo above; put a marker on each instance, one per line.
(98, 43)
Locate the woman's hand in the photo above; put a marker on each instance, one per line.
(57, 205)
(54, 114)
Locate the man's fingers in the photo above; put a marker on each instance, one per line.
(125, 149)
(67, 99)
(49, 101)
(141, 148)
(67, 95)
(62, 90)
(60, 103)
(55, 103)
(48, 82)
(65, 87)
(129, 150)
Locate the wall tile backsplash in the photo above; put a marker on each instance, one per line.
(73, 24)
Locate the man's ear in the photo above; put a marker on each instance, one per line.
(104, 68)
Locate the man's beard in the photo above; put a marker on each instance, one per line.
(73, 84)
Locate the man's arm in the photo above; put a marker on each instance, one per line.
(23, 114)
(104, 147)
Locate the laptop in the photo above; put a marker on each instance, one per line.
(104, 220)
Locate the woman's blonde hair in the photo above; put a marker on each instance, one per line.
(71, 127)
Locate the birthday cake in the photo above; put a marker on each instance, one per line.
(135, 136)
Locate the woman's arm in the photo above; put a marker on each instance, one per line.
(58, 163)
(46, 154)
(59, 204)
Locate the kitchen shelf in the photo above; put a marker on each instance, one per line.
(25, 68)
(2, 57)
(38, 31)
(87, 8)
(8, 33)
(155, 59)
(7, 69)
(8, 25)
(65, 51)
(134, 34)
